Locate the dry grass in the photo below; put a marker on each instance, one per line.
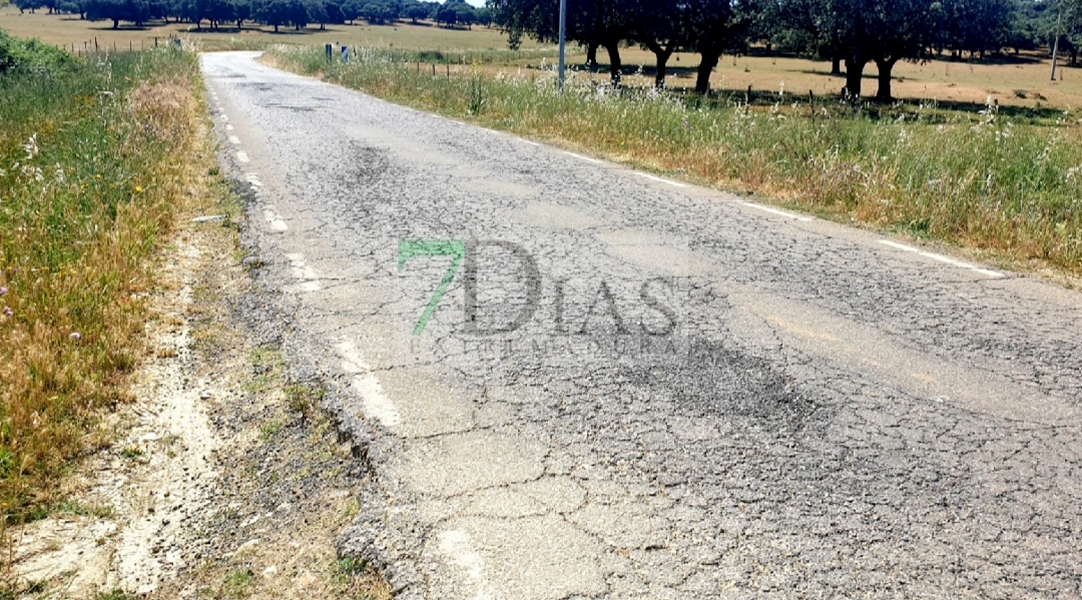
(90, 183)
(1021, 83)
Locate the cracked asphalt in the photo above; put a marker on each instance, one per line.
(635, 389)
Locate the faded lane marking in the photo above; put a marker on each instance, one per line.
(661, 179)
(377, 404)
(234, 140)
(775, 211)
(242, 156)
(456, 545)
(302, 270)
(586, 158)
(943, 259)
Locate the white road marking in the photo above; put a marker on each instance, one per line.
(943, 259)
(774, 211)
(242, 156)
(276, 222)
(225, 117)
(228, 127)
(529, 142)
(456, 545)
(253, 179)
(301, 268)
(661, 179)
(377, 404)
(234, 140)
(587, 158)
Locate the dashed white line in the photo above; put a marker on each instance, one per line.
(774, 211)
(586, 158)
(228, 127)
(943, 259)
(275, 221)
(224, 117)
(242, 156)
(377, 404)
(234, 140)
(456, 545)
(661, 179)
(253, 179)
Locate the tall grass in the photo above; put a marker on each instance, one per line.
(92, 167)
(980, 180)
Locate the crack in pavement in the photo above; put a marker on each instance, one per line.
(706, 399)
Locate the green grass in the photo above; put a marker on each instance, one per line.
(89, 182)
(982, 179)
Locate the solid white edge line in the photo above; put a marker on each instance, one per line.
(941, 258)
(377, 404)
(586, 158)
(660, 179)
(775, 211)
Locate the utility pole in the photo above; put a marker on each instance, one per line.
(1055, 46)
(563, 35)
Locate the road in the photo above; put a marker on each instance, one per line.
(637, 388)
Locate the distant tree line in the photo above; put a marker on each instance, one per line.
(277, 13)
(850, 33)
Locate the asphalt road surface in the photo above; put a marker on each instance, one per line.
(632, 387)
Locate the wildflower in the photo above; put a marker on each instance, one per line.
(3, 290)
(138, 189)
(75, 335)
(31, 147)
(8, 311)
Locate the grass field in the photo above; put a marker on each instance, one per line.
(1024, 82)
(89, 182)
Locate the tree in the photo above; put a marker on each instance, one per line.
(415, 11)
(134, 11)
(315, 12)
(242, 11)
(593, 23)
(274, 12)
(658, 27)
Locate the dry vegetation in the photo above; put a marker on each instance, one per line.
(88, 183)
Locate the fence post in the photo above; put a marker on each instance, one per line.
(328, 49)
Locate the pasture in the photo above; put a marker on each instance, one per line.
(1020, 81)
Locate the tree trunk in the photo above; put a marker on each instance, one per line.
(854, 72)
(116, 23)
(615, 66)
(661, 55)
(709, 60)
(591, 55)
(275, 28)
(835, 64)
(884, 66)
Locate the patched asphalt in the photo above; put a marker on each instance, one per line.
(631, 389)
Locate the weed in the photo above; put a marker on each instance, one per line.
(271, 428)
(303, 398)
(115, 595)
(238, 584)
(131, 452)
